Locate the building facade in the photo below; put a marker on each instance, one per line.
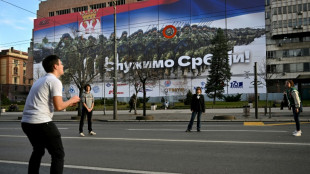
(288, 44)
(59, 7)
(15, 74)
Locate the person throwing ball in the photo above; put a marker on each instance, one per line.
(44, 97)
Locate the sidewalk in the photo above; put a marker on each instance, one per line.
(177, 115)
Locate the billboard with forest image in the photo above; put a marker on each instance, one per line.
(169, 37)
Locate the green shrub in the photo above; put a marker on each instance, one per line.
(232, 98)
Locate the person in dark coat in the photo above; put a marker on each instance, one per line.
(197, 108)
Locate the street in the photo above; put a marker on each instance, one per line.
(165, 147)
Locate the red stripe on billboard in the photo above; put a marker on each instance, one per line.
(43, 23)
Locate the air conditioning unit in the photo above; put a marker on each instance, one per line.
(300, 13)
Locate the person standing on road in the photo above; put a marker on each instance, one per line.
(294, 104)
(197, 108)
(44, 97)
(88, 106)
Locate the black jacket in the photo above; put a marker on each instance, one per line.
(198, 104)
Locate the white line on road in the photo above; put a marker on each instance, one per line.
(178, 130)
(91, 168)
(175, 140)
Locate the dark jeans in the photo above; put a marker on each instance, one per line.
(296, 118)
(89, 117)
(190, 125)
(41, 136)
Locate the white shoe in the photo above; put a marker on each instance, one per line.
(82, 134)
(92, 133)
(297, 134)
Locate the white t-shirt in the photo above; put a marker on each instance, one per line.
(39, 107)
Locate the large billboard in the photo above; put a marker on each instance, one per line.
(169, 36)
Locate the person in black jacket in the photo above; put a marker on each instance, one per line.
(197, 107)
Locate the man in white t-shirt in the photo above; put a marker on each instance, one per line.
(45, 96)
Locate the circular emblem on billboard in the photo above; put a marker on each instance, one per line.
(167, 83)
(108, 84)
(169, 31)
(96, 89)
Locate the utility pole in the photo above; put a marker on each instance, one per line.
(255, 90)
(115, 66)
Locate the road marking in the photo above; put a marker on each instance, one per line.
(175, 140)
(91, 168)
(182, 130)
(258, 123)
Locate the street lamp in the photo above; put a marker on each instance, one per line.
(115, 66)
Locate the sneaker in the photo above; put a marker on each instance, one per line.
(297, 134)
(92, 133)
(82, 134)
(187, 130)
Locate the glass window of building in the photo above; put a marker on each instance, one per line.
(285, 53)
(286, 67)
(275, 24)
(289, 9)
(279, 10)
(294, 8)
(290, 23)
(305, 52)
(299, 67)
(275, 12)
(51, 14)
(284, 10)
(305, 22)
(284, 24)
(267, 15)
(300, 21)
(307, 67)
(305, 7)
(299, 7)
(293, 67)
(267, 2)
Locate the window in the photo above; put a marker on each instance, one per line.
(61, 12)
(268, 15)
(305, 7)
(285, 53)
(279, 10)
(267, 2)
(15, 82)
(305, 52)
(270, 54)
(294, 8)
(299, 7)
(24, 72)
(284, 24)
(293, 68)
(15, 71)
(279, 24)
(51, 14)
(305, 22)
(284, 10)
(271, 68)
(299, 67)
(299, 21)
(306, 67)
(290, 23)
(275, 24)
(286, 67)
(96, 6)
(289, 9)
(78, 9)
(24, 64)
(275, 12)
(24, 80)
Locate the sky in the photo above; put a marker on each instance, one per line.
(16, 23)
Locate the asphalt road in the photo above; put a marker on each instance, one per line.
(165, 148)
